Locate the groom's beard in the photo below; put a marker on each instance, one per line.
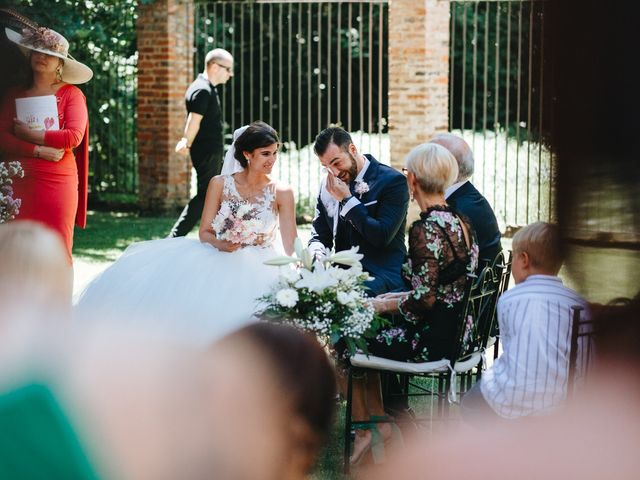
(348, 176)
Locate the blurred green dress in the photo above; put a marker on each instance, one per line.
(37, 441)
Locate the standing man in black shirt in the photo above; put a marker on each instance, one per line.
(202, 137)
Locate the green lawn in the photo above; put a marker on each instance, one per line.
(109, 233)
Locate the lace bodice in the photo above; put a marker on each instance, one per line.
(249, 221)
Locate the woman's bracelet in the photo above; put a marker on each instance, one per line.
(36, 151)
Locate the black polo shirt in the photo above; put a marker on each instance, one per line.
(202, 98)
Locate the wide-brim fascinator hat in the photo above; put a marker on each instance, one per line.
(50, 42)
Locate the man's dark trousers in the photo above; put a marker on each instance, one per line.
(206, 168)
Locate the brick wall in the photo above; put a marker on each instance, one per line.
(418, 73)
(165, 38)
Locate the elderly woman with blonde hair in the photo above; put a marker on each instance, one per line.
(35, 275)
(442, 250)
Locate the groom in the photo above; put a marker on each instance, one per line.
(361, 203)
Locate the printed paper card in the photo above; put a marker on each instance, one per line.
(40, 113)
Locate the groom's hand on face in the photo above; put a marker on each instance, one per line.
(336, 187)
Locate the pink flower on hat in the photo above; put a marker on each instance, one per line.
(42, 38)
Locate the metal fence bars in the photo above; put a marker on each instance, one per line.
(498, 101)
(301, 66)
(111, 100)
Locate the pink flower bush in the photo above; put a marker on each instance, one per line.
(9, 206)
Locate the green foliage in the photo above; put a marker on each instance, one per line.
(101, 34)
(497, 66)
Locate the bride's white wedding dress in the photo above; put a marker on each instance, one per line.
(188, 289)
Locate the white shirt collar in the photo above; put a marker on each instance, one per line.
(449, 191)
(360, 175)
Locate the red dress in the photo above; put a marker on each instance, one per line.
(53, 193)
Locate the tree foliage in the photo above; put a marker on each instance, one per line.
(498, 67)
(102, 35)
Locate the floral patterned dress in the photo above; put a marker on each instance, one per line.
(438, 262)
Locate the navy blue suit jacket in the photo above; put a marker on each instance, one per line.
(470, 202)
(376, 225)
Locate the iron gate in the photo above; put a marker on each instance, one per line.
(301, 66)
(499, 103)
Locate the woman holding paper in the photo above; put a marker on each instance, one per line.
(41, 126)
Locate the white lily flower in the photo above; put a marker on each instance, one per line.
(297, 245)
(280, 261)
(317, 280)
(290, 275)
(349, 257)
(307, 259)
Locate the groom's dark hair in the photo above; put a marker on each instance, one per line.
(336, 135)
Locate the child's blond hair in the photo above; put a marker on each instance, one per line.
(542, 242)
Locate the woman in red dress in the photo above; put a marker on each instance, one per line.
(55, 162)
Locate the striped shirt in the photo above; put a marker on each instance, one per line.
(530, 377)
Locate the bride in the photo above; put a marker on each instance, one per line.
(201, 290)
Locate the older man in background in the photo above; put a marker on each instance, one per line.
(464, 197)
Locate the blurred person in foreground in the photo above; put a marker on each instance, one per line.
(293, 417)
(35, 276)
(593, 437)
(55, 157)
(442, 251)
(535, 318)
(116, 404)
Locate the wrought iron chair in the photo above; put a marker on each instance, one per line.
(502, 267)
(478, 294)
(581, 349)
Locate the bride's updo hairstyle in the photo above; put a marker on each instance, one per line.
(257, 135)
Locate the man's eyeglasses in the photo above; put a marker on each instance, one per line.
(228, 69)
(405, 171)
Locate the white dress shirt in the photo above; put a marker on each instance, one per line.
(530, 377)
(449, 191)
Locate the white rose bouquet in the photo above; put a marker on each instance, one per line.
(9, 207)
(324, 297)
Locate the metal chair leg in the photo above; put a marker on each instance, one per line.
(347, 423)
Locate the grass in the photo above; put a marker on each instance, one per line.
(109, 233)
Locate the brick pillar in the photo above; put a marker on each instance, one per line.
(418, 73)
(165, 66)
